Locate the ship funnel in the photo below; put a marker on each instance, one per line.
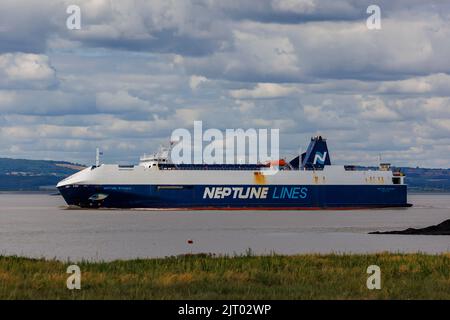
(317, 155)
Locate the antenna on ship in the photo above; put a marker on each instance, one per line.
(98, 153)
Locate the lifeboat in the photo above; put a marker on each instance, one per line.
(277, 163)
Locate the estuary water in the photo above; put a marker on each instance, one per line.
(40, 225)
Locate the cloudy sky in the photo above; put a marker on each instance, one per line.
(139, 69)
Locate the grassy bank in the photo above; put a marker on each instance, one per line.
(413, 276)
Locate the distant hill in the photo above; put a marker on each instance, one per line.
(422, 179)
(32, 175)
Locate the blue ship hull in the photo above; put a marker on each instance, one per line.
(263, 197)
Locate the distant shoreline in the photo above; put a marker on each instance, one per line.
(49, 192)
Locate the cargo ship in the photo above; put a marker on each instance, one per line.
(307, 182)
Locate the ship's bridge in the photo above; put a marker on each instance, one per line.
(153, 160)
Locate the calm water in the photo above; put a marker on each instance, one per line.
(38, 225)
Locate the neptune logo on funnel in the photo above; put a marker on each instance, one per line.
(320, 158)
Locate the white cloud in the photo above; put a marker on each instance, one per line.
(7, 98)
(435, 83)
(251, 57)
(195, 81)
(43, 102)
(263, 91)
(376, 110)
(20, 70)
(294, 6)
(122, 102)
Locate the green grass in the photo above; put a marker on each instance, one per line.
(334, 276)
